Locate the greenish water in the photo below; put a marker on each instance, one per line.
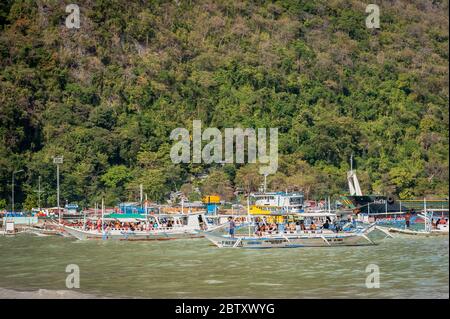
(409, 268)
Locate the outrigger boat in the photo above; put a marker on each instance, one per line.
(185, 226)
(318, 238)
(293, 239)
(387, 211)
(440, 230)
(181, 226)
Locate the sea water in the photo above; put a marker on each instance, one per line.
(35, 267)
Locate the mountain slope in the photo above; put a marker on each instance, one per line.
(106, 96)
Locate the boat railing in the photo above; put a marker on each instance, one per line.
(158, 228)
(295, 232)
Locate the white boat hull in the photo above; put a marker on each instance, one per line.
(131, 235)
(434, 232)
(290, 241)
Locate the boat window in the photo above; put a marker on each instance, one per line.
(296, 200)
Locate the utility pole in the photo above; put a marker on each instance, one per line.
(351, 162)
(58, 160)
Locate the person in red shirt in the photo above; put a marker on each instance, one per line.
(407, 219)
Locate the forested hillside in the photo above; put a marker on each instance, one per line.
(106, 96)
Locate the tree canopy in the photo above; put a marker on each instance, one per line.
(106, 96)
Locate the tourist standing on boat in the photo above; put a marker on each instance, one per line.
(105, 233)
(439, 221)
(232, 226)
(302, 225)
(257, 226)
(201, 223)
(297, 227)
(407, 219)
(336, 226)
(281, 228)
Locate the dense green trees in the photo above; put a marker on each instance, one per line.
(107, 96)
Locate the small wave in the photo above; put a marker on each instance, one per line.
(265, 284)
(43, 294)
(214, 282)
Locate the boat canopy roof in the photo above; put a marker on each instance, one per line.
(144, 216)
(123, 220)
(125, 216)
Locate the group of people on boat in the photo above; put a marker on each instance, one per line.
(262, 226)
(128, 226)
(439, 221)
(407, 219)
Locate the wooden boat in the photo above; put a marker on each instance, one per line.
(181, 226)
(442, 230)
(290, 238)
(428, 231)
(187, 227)
(163, 233)
(318, 238)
